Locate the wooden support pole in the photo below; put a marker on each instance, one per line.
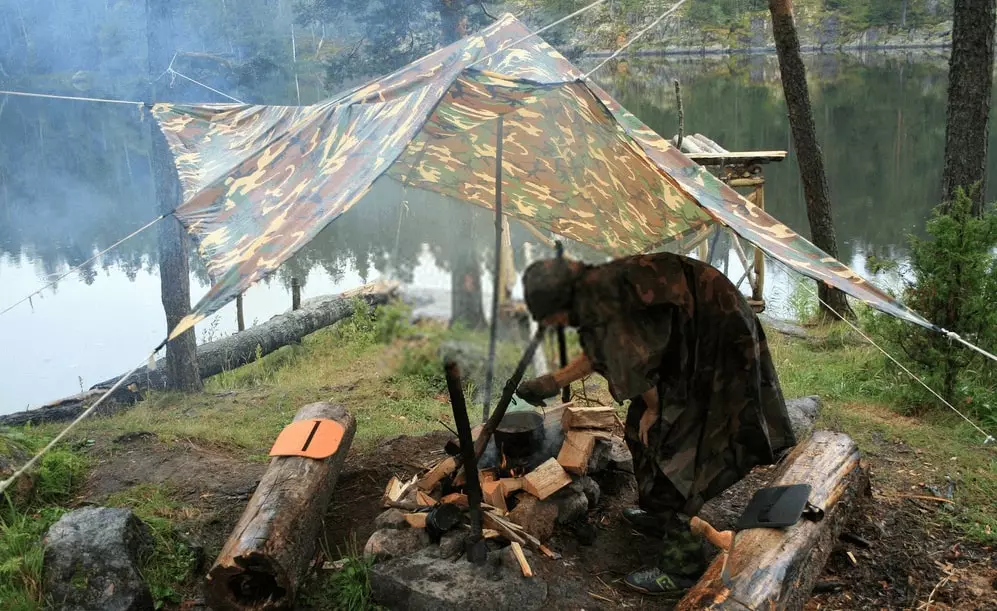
(271, 549)
(507, 391)
(758, 288)
(497, 272)
(463, 424)
(776, 568)
(240, 318)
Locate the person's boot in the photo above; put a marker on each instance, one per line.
(656, 582)
(645, 522)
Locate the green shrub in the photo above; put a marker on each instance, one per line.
(954, 285)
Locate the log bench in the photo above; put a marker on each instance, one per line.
(776, 568)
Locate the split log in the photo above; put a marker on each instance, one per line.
(416, 520)
(215, 357)
(494, 494)
(576, 417)
(442, 469)
(576, 451)
(273, 545)
(546, 479)
(517, 551)
(776, 568)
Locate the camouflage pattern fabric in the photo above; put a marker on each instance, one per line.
(679, 325)
(259, 181)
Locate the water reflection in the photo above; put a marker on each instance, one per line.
(74, 178)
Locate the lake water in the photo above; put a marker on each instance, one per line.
(74, 178)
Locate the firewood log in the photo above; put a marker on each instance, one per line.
(272, 547)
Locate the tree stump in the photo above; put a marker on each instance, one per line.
(272, 547)
(776, 568)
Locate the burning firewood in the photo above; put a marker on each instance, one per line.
(546, 479)
(575, 417)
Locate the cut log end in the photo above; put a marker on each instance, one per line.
(255, 583)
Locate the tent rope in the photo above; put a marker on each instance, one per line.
(647, 29)
(955, 336)
(51, 96)
(173, 72)
(34, 459)
(537, 32)
(987, 437)
(85, 263)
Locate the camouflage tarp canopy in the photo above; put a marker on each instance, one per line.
(259, 182)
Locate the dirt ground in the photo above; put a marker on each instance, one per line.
(906, 555)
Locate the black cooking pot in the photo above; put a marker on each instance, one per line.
(520, 434)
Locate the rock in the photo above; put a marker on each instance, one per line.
(93, 558)
(424, 582)
(803, 413)
(452, 543)
(392, 519)
(535, 516)
(591, 490)
(390, 543)
(572, 503)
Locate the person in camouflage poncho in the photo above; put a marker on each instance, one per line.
(676, 338)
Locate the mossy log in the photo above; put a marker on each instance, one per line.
(272, 548)
(776, 568)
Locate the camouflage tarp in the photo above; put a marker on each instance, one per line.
(259, 182)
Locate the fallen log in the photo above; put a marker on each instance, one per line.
(776, 568)
(273, 545)
(215, 357)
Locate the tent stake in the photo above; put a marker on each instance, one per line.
(496, 276)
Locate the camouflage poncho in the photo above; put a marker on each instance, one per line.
(676, 323)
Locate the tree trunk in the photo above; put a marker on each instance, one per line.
(214, 357)
(465, 272)
(777, 568)
(174, 267)
(970, 85)
(808, 153)
(271, 549)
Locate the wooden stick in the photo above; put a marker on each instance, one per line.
(463, 423)
(510, 389)
(704, 529)
(524, 566)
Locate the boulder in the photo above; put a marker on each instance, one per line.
(390, 543)
(93, 559)
(535, 516)
(572, 503)
(425, 582)
(803, 413)
(391, 519)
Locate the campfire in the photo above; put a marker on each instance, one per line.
(535, 473)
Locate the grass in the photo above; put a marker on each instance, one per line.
(346, 589)
(864, 397)
(27, 513)
(388, 374)
(172, 560)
